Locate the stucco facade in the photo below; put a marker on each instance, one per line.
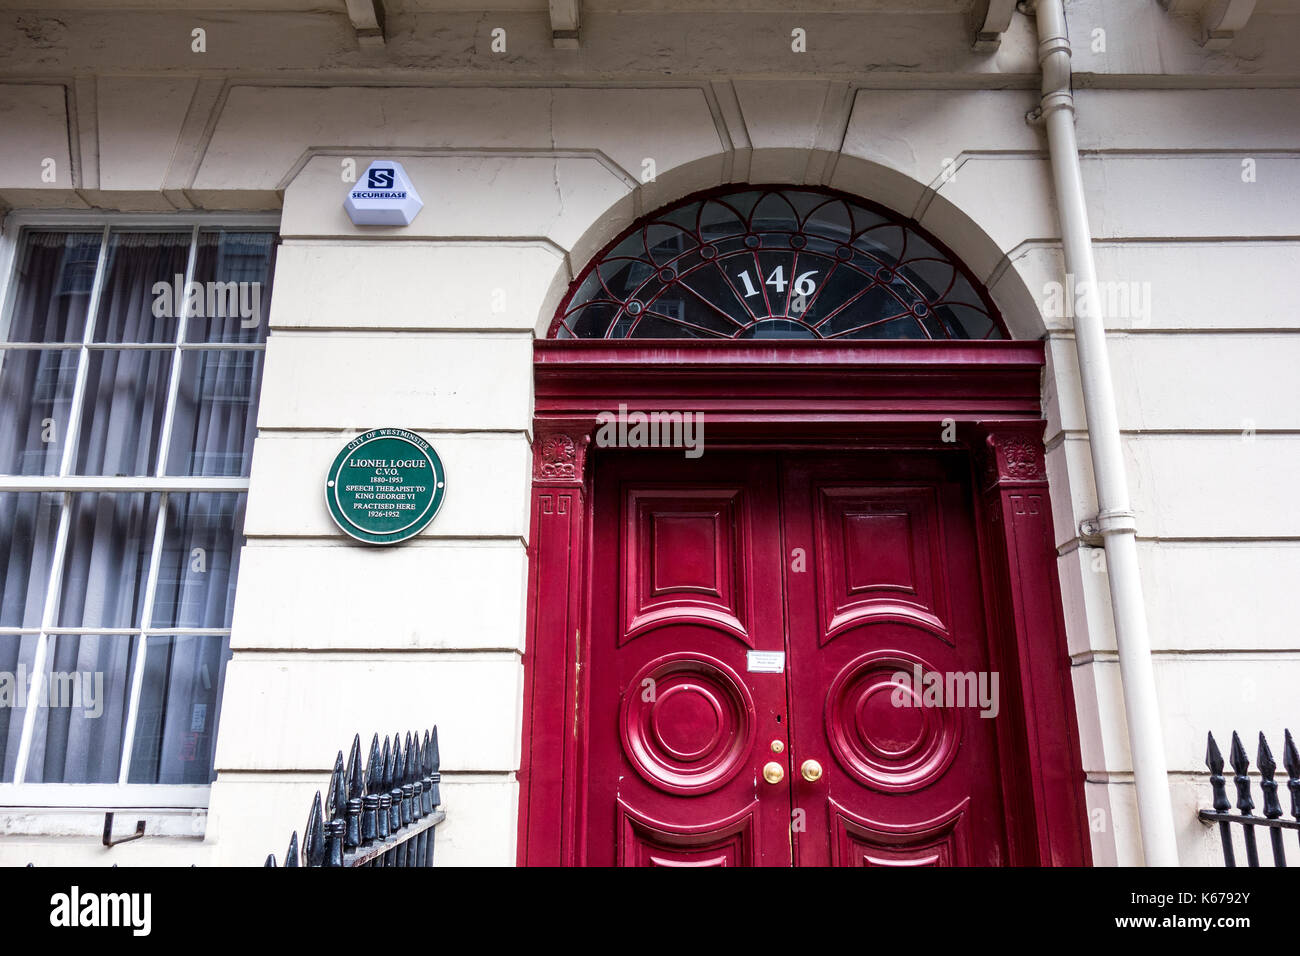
(532, 159)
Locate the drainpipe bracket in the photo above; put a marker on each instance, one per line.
(1095, 530)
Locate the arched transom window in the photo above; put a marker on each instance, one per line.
(776, 263)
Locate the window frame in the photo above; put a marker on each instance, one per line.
(570, 307)
(15, 227)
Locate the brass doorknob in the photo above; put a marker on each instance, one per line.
(811, 770)
(773, 772)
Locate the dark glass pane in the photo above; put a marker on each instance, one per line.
(17, 655)
(773, 211)
(832, 220)
(107, 560)
(593, 321)
(234, 271)
(875, 305)
(56, 271)
(651, 326)
(216, 412)
(122, 414)
(36, 388)
(79, 730)
(176, 727)
(199, 561)
(665, 242)
(778, 329)
(963, 322)
(145, 276)
(719, 219)
(620, 278)
(931, 278)
(709, 291)
(28, 525)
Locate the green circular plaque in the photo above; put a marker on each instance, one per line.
(385, 486)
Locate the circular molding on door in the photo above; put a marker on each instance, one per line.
(879, 729)
(687, 723)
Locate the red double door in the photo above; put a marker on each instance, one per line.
(785, 664)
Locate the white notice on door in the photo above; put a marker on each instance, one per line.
(766, 662)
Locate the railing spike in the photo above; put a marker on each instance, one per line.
(395, 788)
(1219, 787)
(291, 855)
(1272, 807)
(408, 775)
(1291, 759)
(1245, 803)
(313, 838)
(374, 768)
(387, 780)
(1267, 766)
(336, 803)
(356, 781)
(435, 766)
(1218, 783)
(1241, 769)
(270, 860)
(426, 784)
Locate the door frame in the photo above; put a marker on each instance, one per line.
(809, 395)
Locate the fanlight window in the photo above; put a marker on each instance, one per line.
(776, 264)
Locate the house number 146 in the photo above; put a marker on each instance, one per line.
(803, 283)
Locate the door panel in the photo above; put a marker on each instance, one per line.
(686, 579)
(859, 567)
(891, 587)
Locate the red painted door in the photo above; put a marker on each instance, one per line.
(686, 580)
(889, 667)
(751, 612)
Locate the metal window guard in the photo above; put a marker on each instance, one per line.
(1272, 818)
(384, 816)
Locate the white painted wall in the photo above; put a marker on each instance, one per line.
(430, 328)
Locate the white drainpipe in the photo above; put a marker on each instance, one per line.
(1115, 519)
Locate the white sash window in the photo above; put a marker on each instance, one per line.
(130, 364)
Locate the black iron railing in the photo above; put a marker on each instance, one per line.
(1244, 818)
(384, 816)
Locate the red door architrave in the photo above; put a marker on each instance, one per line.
(914, 396)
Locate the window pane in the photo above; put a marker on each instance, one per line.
(234, 271)
(107, 560)
(216, 412)
(16, 655)
(82, 720)
(144, 287)
(56, 271)
(177, 723)
(36, 395)
(122, 414)
(28, 526)
(196, 577)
